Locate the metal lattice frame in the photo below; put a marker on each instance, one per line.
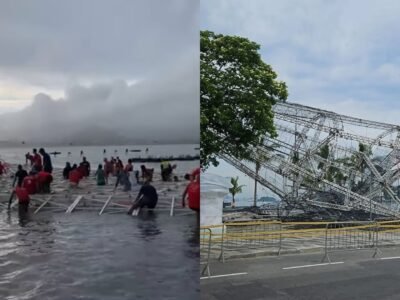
(358, 180)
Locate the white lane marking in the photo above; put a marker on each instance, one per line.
(393, 257)
(315, 265)
(224, 275)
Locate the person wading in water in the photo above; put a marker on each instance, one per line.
(147, 197)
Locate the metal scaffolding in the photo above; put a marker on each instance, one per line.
(329, 160)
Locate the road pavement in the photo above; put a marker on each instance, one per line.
(352, 275)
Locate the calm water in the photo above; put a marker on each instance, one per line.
(95, 154)
(86, 256)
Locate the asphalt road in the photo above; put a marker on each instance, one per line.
(352, 275)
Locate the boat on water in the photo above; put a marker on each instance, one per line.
(135, 150)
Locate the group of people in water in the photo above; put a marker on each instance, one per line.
(125, 174)
(39, 179)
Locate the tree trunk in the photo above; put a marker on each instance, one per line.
(233, 201)
(255, 185)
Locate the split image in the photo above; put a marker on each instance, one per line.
(99, 150)
(300, 150)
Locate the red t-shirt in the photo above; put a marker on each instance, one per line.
(196, 173)
(37, 160)
(82, 171)
(29, 183)
(44, 177)
(194, 195)
(22, 195)
(2, 169)
(75, 176)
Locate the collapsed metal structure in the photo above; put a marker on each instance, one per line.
(328, 160)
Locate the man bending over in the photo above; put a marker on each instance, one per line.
(147, 197)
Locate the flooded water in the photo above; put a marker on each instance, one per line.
(86, 256)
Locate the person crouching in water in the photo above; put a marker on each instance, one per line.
(100, 175)
(147, 197)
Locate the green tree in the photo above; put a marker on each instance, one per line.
(237, 92)
(235, 189)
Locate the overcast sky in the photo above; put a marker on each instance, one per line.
(337, 55)
(128, 68)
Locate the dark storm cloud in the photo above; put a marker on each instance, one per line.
(94, 50)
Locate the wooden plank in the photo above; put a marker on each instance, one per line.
(136, 211)
(10, 199)
(171, 213)
(74, 204)
(43, 204)
(121, 205)
(105, 204)
(13, 204)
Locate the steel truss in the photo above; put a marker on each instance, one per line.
(319, 153)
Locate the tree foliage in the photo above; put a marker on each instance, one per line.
(235, 189)
(236, 96)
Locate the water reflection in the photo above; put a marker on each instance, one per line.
(194, 241)
(148, 225)
(59, 256)
(23, 215)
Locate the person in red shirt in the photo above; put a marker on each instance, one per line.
(37, 161)
(192, 191)
(23, 199)
(190, 178)
(196, 172)
(2, 169)
(74, 177)
(194, 195)
(44, 181)
(82, 171)
(30, 184)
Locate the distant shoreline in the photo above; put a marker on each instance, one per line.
(160, 159)
(4, 144)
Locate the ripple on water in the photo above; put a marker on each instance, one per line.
(109, 257)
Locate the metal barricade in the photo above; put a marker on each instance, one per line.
(345, 236)
(388, 233)
(242, 237)
(205, 249)
(299, 236)
(238, 239)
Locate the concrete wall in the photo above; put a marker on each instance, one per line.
(213, 190)
(211, 208)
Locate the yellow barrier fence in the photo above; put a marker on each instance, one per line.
(274, 236)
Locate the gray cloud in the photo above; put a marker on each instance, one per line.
(117, 112)
(94, 50)
(328, 52)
